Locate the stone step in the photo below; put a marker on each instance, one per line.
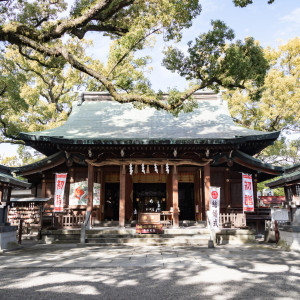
(131, 231)
(139, 236)
(149, 241)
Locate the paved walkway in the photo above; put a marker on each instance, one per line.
(149, 272)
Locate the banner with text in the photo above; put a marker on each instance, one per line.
(214, 206)
(60, 183)
(248, 200)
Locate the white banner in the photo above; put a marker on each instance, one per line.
(60, 183)
(248, 199)
(214, 207)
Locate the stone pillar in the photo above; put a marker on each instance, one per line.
(175, 198)
(122, 196)
(206, 187)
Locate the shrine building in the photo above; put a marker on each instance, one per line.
(121, 160)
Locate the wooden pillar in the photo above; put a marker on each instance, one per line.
(175, 198)
(227, 189)
(169, 200)
(43, 188)
(206, 187)
(89, 208)
(98, 212)
(122, 196)
(102, 195)
(198, 195)
(90, 187)
(255, 190)
(129, 198)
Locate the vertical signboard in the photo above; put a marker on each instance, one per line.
(60, 182)
(214, 206)
(248, 200)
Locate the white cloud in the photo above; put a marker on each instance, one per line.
(290, 25)
(293, 17)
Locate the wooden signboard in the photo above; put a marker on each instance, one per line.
(149, 218)
(149, 228)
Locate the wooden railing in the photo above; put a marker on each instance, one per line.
(232, 220)
(71, 220)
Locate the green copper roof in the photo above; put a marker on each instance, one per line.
(290, 175)
(97, 119)
(6, 177)
(265, 171)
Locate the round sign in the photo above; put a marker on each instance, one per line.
(214, 194)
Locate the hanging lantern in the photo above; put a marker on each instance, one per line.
(143, 168)
(155, 168)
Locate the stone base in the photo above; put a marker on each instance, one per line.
(290, 235)
(235, 236)
(8, 237)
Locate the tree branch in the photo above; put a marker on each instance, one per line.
(70, 24)
(131, 48)
(80, 33)
(35, 59)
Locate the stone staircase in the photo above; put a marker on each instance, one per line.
(186, 234)
(128, 236)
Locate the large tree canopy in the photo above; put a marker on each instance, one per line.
(41, 32)
(278, 108)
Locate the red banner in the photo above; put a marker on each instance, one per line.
(60, 182)
(248, 199)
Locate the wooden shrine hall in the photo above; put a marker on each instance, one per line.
(121, 160)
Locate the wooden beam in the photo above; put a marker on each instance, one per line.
(148, 161)
(175, 198)
(122, 196)
(206, 186)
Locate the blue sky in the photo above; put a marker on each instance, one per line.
(269, 24)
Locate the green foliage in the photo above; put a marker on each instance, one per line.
(41, 34)
(24, 156)
(34, 97)
(214, 63)
(277, 192)
(278, 108)
(244, 3)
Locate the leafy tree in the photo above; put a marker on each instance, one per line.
(23, 157)
(244, 3)
(278, 108)
(35, 95)
(40, 32)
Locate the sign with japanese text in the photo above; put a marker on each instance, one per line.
(149, 228)
(214, 206)
(248, 199)
(60, 183)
